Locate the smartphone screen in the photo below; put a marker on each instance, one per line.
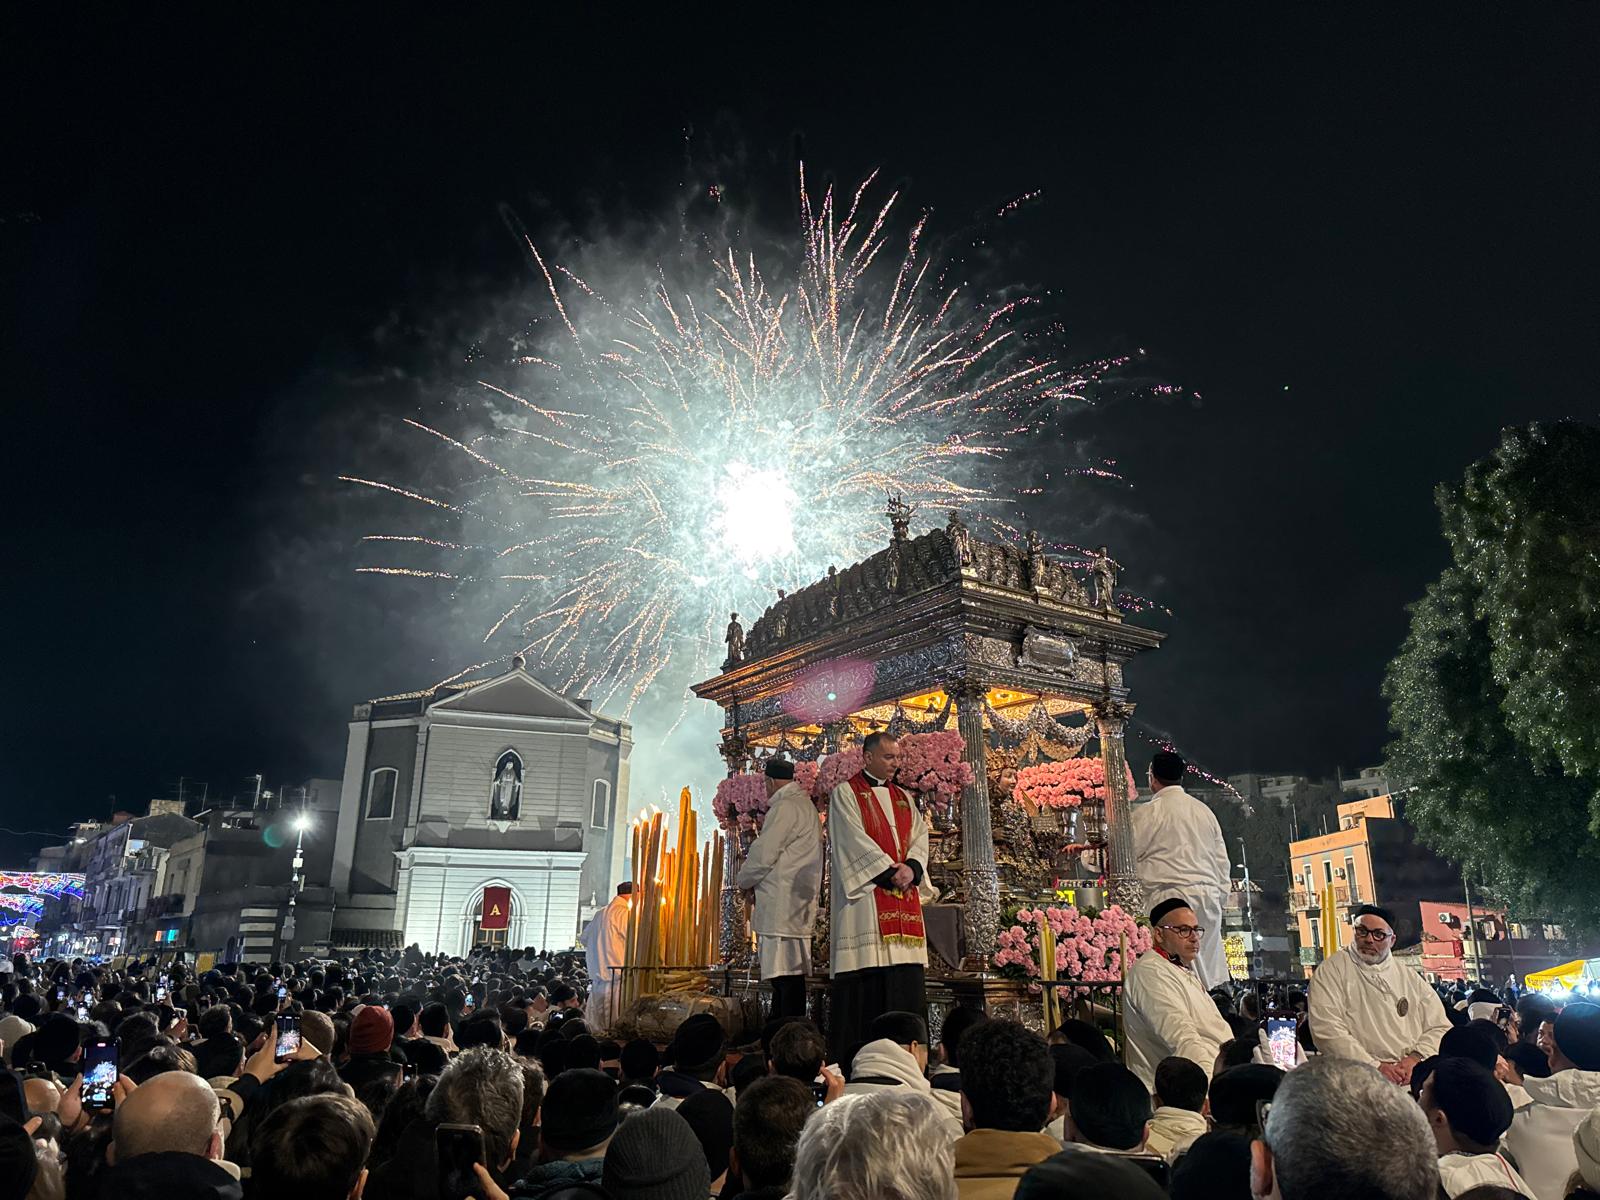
(161, 993)
(99, 1074)
(459, 1146)
(61, 993)
(288, 1042)
(83, 1013)
(283, 992)
(1281, 1041)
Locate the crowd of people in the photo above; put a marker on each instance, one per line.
(409, 1077)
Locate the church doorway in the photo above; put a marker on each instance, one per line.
(492, 916)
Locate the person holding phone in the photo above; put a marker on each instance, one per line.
(1169, 1012)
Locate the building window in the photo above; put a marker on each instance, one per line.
(505, 790)
(1350, 878)
(381, 787)
(1327, 870)
(601, 809)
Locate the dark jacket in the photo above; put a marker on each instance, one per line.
(413, 1172)
(544, 1178)
(168, 1176)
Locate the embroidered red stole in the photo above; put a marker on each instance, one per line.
(899, 913)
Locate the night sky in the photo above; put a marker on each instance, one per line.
(234, 257)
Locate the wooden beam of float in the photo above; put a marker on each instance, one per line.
(948, 612)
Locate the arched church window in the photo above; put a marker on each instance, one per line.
(505, 791)
(601, 807)
(381, 786)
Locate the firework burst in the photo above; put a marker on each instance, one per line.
(657, 462)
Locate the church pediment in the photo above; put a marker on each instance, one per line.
(516, 694)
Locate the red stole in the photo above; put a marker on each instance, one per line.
(899, 913)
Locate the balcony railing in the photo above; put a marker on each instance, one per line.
(1301, 900)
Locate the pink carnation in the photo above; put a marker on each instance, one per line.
(1065, 784)
(740, 802)
(1087, 949)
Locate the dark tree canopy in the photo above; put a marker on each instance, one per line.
(1495, 694)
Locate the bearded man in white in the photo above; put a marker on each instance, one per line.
(1169, 1011)
(1366, 1006)
(1181, 854)
(783, 870)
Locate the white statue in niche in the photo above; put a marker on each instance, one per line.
(505, 797)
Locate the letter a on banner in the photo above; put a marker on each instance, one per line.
(496, 912)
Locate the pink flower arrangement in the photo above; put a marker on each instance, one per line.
(835, 769)
(740, 802)
(1065, 784)
(805, 774)
(931, 765)
(1087, 948)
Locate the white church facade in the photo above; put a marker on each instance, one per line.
(500, 783)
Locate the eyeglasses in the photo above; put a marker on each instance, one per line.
(1373, 935)
(1188, 931)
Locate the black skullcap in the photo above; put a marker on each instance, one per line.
(579, 1110)
(1068, 1060)
(1472, 1044)
(697, 1043)
(779, 768)
(1474, 1102)
(1167, 906)
(1373, 910)
(1577, 1035)
(1167, 766)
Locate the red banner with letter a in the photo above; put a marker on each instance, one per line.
(496, 908)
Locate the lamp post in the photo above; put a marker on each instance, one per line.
(302, 822)
(1249, 913)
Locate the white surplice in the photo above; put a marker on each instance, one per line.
(1181, 853)
(784, 869)
(854, 862)
(1355, 1010)
(605, 946)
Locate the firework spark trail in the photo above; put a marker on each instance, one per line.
(687, 453)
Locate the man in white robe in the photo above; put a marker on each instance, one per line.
(784, 870)
(605, 946)
(1366, 1006)
(1181, 854)
(1169, 1013)
(877, 885)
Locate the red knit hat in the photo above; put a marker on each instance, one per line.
(372, 1032)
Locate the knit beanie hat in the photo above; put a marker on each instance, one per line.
(579, 1110)
(372, 1032)
(655, 1156)
(1577, 1032)
(1586, 1143)
(710, 1116)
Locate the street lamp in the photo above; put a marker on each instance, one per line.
(1249, 913)
(301, 822)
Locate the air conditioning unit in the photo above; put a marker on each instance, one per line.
(1446, 919)
(1338, 872)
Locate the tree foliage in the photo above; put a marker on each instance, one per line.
(1495, 695)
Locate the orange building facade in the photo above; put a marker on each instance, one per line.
(1372, 858)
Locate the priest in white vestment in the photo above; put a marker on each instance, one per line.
(1180, 851)
(1366, 1006)
(784, 870)
(1169, 1012)
(878, 855)
(605, 946)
